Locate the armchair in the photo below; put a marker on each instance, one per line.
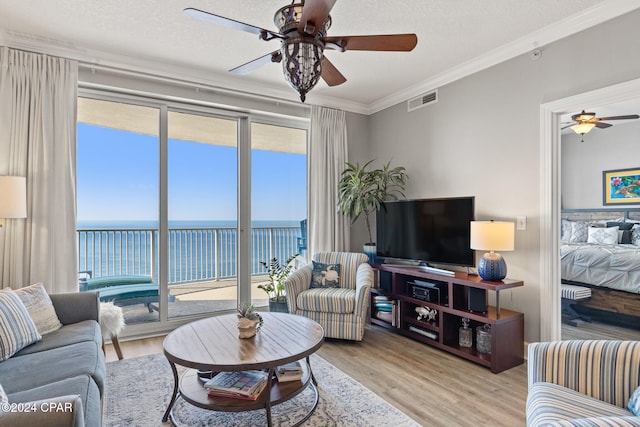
(582, 383)
(341, 311)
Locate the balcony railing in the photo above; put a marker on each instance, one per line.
(195, 254)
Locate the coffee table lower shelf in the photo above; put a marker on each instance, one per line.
(192, 391)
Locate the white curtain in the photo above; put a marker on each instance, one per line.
(328, 229)
(38, 98)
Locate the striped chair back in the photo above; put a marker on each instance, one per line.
(607, 370)
(349, 262)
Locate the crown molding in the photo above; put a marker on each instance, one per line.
(580, 21)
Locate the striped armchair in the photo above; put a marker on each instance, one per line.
(582, 383)
(341, 311)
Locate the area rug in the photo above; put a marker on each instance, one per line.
(138, 391)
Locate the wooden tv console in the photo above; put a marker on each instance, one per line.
(507, 327)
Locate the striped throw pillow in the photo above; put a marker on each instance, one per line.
(634, 403)
(17, 330)
(40, 308)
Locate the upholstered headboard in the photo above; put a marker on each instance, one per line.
(600, 214)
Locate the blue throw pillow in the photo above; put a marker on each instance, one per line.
(634, 403)
(325, 275)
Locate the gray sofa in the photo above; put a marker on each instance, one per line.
(67, 367)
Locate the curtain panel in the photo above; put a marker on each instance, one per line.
(38, 94)
(328, 229)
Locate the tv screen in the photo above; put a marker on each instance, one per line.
(429, 230)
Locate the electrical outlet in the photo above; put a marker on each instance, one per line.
(521, 223)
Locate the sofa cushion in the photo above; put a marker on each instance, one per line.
(3, 395)
(81, 385)
(36, 299)
(328, 300)
(549, 403)
(17, 330)
(325, 275)
(86, 331)
(28, 371)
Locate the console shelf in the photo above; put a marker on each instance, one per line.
(450, 296)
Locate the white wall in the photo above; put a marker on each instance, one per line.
(482, 138)
(617, 147)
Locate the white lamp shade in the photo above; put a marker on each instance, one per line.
(13, 197)
(492, 235)
(582, 128)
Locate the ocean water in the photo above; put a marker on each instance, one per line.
(198, 250)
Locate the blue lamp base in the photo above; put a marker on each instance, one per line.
(492, 267)
(370, 250)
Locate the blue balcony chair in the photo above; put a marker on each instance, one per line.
(122, 290)
(302, 237)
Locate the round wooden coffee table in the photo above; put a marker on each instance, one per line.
(213, 345)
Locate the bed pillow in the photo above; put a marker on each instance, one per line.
(603, 236)
(325, 275)
(40, 308)
(635, 235)
(565, 231)
(579, 232)
(17, 330)
(621, 225)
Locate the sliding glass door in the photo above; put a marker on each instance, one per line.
(117, 204)
(179, 204)
(202, 213)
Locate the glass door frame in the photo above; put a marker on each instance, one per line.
(244, 121)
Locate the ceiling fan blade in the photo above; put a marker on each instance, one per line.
(603, 125)
(231, 23)
(629, 117)
(567, 126)
(314, 13)
(381, 42)
(330, 73)
(248, 67)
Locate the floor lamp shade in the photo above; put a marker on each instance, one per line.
(492, 236)
(13, 197)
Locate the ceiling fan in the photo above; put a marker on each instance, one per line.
(302, 31)
(583, 122)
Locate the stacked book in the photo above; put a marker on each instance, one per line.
(289, 372)
(385, 309)
(237, 385)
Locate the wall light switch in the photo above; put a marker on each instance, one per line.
(521, 223)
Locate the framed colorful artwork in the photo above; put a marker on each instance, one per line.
(621, 187)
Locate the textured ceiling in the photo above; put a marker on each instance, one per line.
(450, 34)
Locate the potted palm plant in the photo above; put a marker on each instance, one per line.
(278, 273)
(361, 191)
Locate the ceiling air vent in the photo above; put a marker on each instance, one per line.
(422, 100)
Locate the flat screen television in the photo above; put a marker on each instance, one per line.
(428, 230)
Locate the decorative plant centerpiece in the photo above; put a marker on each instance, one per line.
(361, 191)
(278, 273)
(249, 321)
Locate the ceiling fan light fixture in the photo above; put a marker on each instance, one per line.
(288, 17)
(582, 128)
(302, 63)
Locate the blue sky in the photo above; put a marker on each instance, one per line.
(118, 179)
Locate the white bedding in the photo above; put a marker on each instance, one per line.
(611, 266)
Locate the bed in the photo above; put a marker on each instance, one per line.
(610, 268)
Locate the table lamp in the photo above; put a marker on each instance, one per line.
(13, 197)
(492, 236)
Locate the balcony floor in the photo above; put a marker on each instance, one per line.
(198, 298)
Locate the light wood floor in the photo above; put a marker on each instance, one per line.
(431, 386)
(598, 331)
